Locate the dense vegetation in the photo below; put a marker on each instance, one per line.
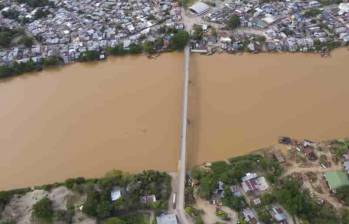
(299, 203)
(15, 69)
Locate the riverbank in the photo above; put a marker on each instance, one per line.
(143, 196)
(149, 49)
(131, 198)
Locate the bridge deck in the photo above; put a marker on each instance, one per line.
(183, 142)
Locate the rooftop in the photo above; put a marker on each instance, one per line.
(336, 179)
(166, 219)
(199, 8)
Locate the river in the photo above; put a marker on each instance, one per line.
(124, 113)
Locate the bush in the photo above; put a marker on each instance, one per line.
(343, 194)
(71, 182)
(52, 61)
(43, 210)
(114, 220)
(6, 196)
(312, 12)
(135, 49)
(117, 50)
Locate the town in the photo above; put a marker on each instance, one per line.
(54, 32)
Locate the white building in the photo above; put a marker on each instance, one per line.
(166, 219)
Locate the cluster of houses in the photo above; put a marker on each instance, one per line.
(70, 28)
(73, 27)
(285, 26)
(334, 179)
(252, 186)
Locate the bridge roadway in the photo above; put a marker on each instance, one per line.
(180, 201)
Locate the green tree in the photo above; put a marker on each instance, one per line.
(90, 205)
(43, 210)
(233, 22)
(231, 201)
(104, 209)
(180, 40)
(206, 186)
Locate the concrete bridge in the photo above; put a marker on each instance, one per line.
(180, 200)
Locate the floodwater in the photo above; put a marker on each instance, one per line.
(245, 102)
(87, 119)
(124, 113)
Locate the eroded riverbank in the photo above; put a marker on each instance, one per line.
(86, 119)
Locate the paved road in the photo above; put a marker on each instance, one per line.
(183, 144)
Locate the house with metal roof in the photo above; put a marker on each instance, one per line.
(336, 179)
(199, 8)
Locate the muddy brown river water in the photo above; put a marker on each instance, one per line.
(124, 113)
